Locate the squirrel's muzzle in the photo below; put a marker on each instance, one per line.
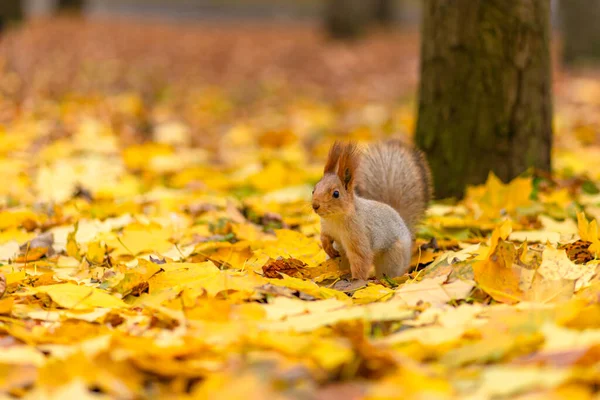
(315, 206)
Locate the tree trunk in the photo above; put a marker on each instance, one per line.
(70, 6)
(10, 11)
(485, 94)
(581, 32)
(347, 19)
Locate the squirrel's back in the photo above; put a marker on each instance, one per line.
(398, 175)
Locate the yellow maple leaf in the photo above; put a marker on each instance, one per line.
(96, 252)
(496, 274)
(69, 295)
(19, 217)
(500, 233)
(494, 197)
(231, 255)
(308, 287)
(72, 246)
(588, 231)
(138, 238)
(181, 274)
(293, 244)
(372, 293)
(140, 156)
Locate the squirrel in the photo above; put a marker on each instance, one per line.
(369, 203)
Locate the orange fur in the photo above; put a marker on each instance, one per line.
(372, 226)
(327, 242)
(332, 158)
(348, 165)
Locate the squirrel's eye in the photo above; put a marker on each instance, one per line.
(336, 194)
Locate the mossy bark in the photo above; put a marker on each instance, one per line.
(485, 93)
(580, 30)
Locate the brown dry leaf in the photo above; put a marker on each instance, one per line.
(578, 251)
(287, 266)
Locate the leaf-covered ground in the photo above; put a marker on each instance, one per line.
(157, 241)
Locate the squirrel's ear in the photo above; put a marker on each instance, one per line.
(348, 164)
(332, 158)
(347, 178)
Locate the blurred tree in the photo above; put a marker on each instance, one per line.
(485, 92)
(346, 19)
(384, 12)
(581, 32)
(70, 6)
(10, 11)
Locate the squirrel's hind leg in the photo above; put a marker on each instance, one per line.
(344, 262)
(394, 261)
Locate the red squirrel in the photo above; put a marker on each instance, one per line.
(369, 203)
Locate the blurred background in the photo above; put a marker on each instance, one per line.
(265, 10)
(237, 77)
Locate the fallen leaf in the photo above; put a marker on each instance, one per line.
(76, 297)
(372, 293)
(507, 381)
(388, 311)
(557, 265)
(497, 275)
(432, 291)
(287, 266)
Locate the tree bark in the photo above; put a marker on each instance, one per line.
(70, 6)
(581, 30)
(485, 94)
(347, 19)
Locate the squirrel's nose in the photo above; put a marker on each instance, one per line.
(315, 206)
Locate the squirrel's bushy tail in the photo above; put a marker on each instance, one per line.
(398, 175)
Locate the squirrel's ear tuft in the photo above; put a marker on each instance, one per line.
(348, 164)
(332, 159)
(347, 177)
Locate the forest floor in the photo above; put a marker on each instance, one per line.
(156, 237)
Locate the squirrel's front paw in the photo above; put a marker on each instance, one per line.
(331, 252)
(328, 247)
